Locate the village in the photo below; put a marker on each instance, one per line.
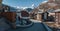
(52, 9)
(46, 16)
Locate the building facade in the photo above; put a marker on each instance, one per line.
(50, 4)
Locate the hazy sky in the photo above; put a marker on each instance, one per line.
(22, 3)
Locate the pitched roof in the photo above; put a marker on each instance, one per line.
(12, 9)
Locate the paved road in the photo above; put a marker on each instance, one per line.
(34, 27)
(37, 26)
(3, 24)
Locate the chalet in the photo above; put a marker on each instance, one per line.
(10, 18)
(50, 6)
(6, 8)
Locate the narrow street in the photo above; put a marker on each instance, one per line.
(37, 26)
(3, 25)
(29, 15)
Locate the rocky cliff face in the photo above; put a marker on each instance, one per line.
(51, 4)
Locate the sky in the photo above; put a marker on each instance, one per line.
(22, 3)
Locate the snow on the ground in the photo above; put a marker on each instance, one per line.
(35, 20)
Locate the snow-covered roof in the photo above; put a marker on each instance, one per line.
(52, 4)
(58, 10)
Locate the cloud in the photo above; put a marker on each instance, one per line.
(26, 7)
(32, 5)
(23, 7)
(44, 2)
(18, 7)
(2, 2)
